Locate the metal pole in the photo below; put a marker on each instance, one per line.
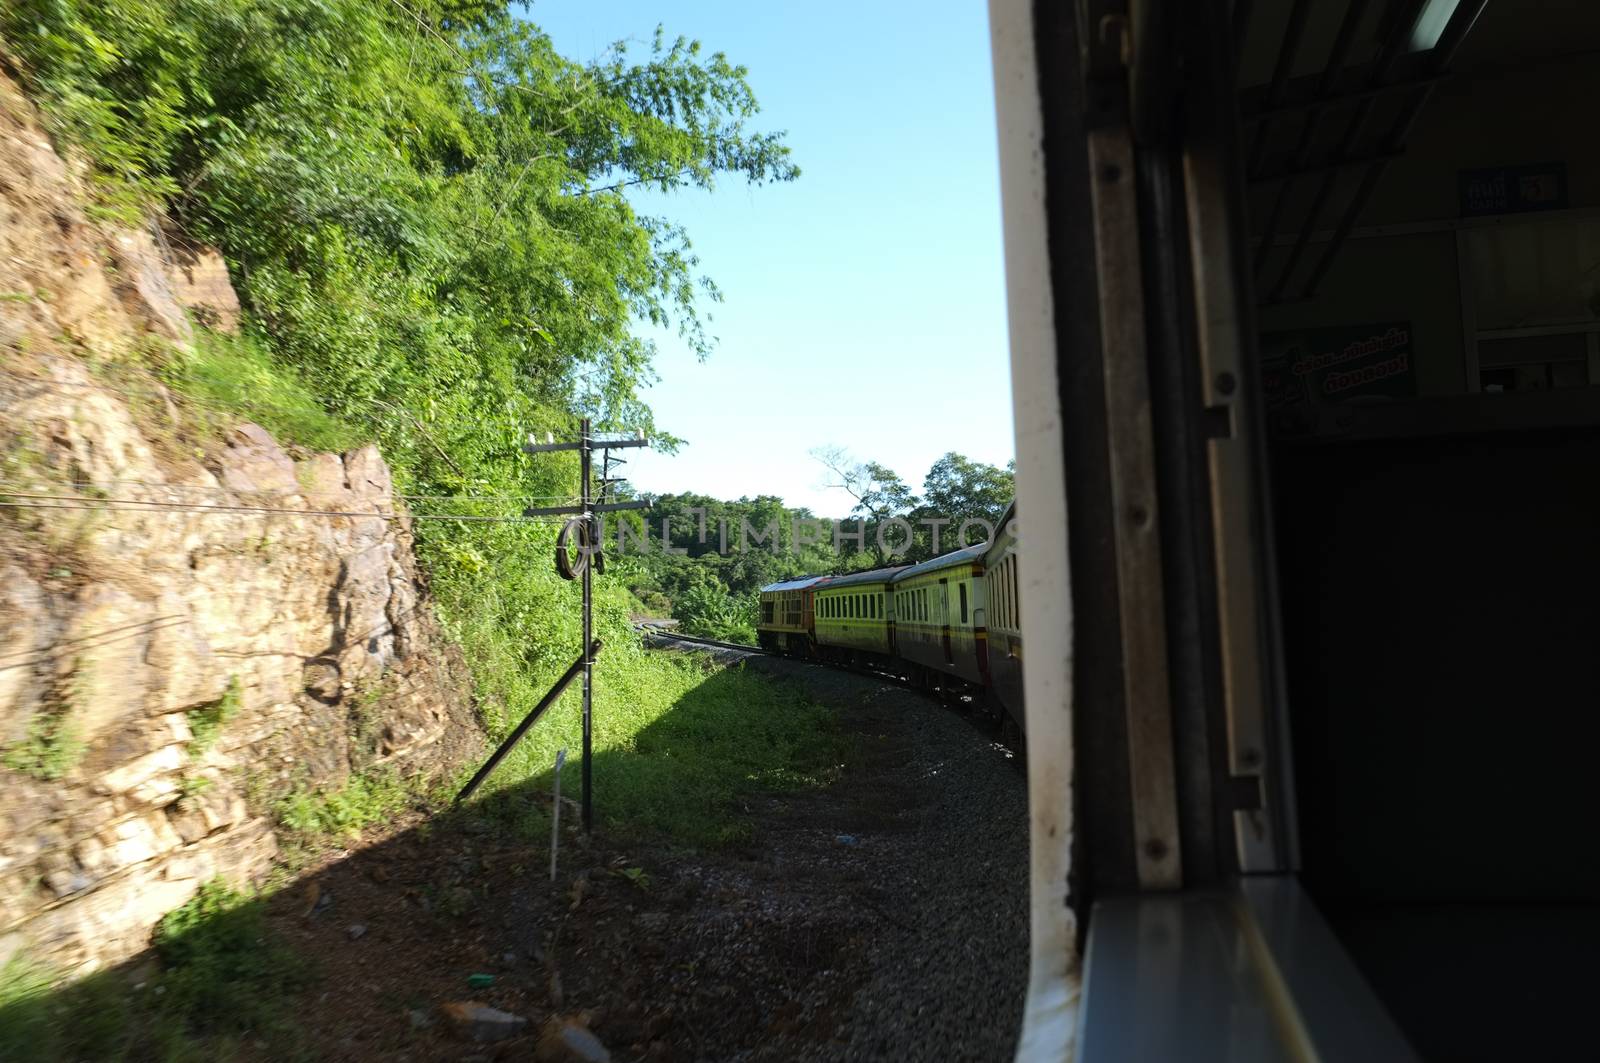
(528, 721)
(585, 460)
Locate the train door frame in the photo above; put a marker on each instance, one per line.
(1157, 744)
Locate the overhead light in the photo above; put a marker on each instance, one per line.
(1430, 24)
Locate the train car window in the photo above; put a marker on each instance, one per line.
(1015, 594)
(1005, 596)
(1016, 601)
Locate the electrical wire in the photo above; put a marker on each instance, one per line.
(218, 490)
(38, 500)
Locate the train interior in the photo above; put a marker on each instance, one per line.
(1423, 195)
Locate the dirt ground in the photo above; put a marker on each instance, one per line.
(883, 917)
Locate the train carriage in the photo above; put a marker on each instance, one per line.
(938, 607)
(854, 617)
(1002, 616)
(786, 616)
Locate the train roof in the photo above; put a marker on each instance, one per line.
(1005, 519)
(965, 555)
(793, 585)
(873, 575)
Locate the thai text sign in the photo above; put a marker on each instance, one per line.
(1329, 365)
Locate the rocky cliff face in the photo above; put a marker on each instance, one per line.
(175, 650)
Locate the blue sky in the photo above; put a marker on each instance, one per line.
(865, 301)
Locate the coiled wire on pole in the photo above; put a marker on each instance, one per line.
(587, 548)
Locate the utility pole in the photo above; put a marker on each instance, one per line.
(589, 551)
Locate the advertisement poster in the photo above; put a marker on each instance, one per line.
(1323, 366)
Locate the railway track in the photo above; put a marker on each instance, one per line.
(669, 635)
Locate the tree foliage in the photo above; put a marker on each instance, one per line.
(423, 203)
(956, 489)
(425, 209)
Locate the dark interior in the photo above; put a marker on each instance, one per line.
(1440, 598)
(1427, 280)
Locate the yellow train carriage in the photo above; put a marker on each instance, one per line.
(1002, 616)
(854, 618)
(938, 609)
(785, 622)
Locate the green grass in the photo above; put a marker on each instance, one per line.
(343, 813)
(207, 721)
(678, 742)
(223, 978)
(50, 750)
(237, 374)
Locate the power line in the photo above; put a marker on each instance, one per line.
(217, 490)
(93, 641)
(39, 500)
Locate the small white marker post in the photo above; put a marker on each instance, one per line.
(555, 813)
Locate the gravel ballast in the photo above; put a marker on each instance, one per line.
(882, 916)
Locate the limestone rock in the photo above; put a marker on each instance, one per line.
(200, 283)
(126, 630)
(481, 1023)
(140, 263)
(568, 1040)
(254, 463)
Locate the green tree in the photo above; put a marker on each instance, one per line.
(960, 489)
(879, 492)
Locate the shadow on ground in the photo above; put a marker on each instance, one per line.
(726, 906)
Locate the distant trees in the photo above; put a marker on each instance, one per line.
(956, 490)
